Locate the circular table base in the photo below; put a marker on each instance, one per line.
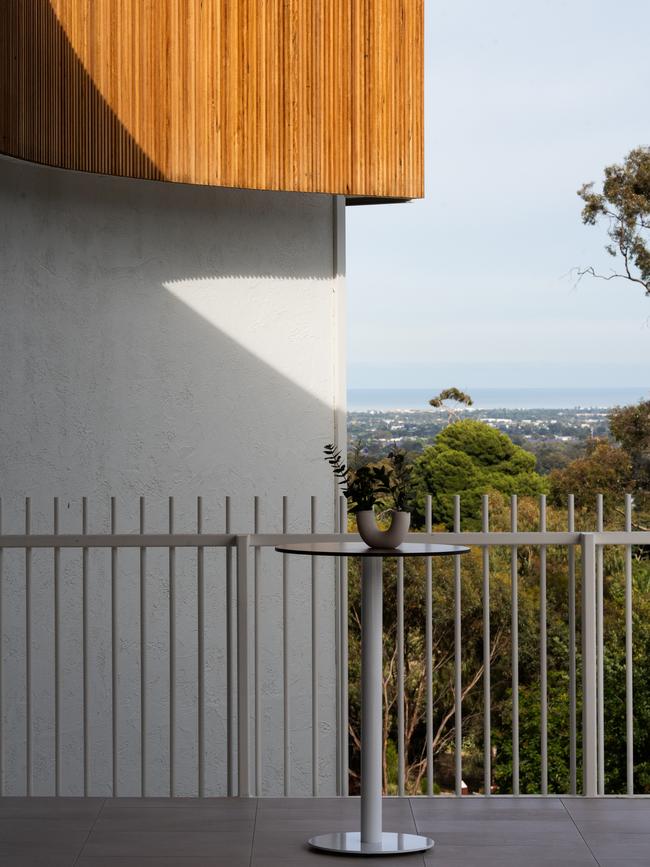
(350, 843)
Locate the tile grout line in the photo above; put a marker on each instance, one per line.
(417, 830)
(575, 824)
(92, 828)
(257, 808)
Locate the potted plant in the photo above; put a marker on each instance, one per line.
(385, 483)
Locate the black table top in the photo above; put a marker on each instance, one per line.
(359, 549)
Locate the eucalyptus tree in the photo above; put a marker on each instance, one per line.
(446, 400)
(624, 204)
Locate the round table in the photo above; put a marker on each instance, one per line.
(372, 840)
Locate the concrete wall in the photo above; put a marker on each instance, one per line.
(158, 340)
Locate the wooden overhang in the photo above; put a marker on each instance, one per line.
(306, 95)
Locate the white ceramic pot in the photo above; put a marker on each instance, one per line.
(390, 538)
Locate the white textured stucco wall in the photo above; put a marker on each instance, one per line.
(156, 340)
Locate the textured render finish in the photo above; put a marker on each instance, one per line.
(162, 340)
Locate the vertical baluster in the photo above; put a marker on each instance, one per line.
(243, 671)
(337, 652)
(143, 657)
(589, 669)
(200, 604)
(231, 660)
(344, 653)
(487, 712)
(458, 662)
(172, 655)
(314, 657)
(2, 704)
(114, 652)
(600, 648)
(57, 651)
(629, 661)
(286, 695)
(573, 715)
(428, 641)
(543, 652)
(85, 648)
(257, 652)
(514, 606)
(28, 650)
(400, 677)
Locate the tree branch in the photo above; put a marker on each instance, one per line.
(591, 272)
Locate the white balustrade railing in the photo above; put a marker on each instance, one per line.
(243, 657)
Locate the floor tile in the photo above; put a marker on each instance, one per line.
(276, 809)
(307, 857)
(510, 856)
(625, 823)
(37, 852)
(626, 862)
(219, 832)
(619, 849)
(158, 861)
(204, 816)
(485, 833)
(206, 844)
(494, 809)
(83, 810)
(35, 858)
(309, 806)
(597, 808)
(239, 806)
(31, 834)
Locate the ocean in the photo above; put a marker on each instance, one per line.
(360, 399)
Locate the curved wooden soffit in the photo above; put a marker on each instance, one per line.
(322, 96)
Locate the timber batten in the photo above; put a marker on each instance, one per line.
(264, 94)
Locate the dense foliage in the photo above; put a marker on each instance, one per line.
(605, 469)
(472, 459)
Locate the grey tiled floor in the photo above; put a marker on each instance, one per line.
(498, 832)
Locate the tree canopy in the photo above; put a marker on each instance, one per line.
(625, 205)
(630, 425)
(456, 396)
(471, 458)
(611, 467)
(605, 469)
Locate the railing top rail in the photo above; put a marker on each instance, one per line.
(119, 540)
(269, 540)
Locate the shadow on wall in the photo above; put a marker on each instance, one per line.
(115, 384)
(42, 72)
(159, 339)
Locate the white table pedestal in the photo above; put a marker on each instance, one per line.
(372, 840)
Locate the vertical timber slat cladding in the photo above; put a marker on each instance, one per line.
(322, 96)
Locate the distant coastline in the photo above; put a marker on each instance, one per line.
(365, 399)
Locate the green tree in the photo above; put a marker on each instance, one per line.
(605, 469)
(471, 458)
(630, 426)
(625, 204)
(456, 396)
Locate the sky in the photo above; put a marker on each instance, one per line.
(473, 286)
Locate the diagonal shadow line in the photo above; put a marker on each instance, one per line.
(51, 111)
(144, 270)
